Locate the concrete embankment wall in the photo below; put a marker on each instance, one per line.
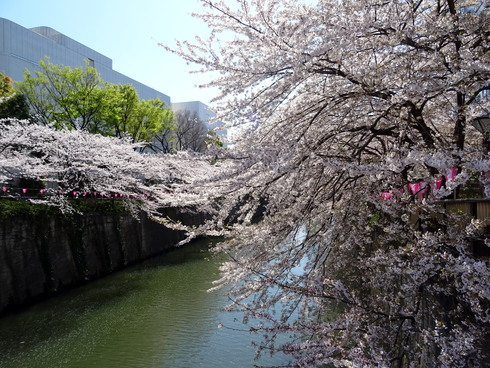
(43, 253)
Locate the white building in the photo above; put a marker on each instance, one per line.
(201, 109)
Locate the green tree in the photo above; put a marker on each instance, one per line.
(125, 115)
(6, 85)
(12, 104)
(15, 107)
(121, 103)
(150, 118)
(77, 98)
(64, 96)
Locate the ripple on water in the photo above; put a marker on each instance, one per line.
(154, 315)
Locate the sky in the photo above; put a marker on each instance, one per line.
(128, 33)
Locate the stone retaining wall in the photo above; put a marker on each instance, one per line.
(41, 255)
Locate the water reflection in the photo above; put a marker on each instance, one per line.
(157, 314)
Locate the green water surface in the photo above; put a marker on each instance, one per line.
(156, 314)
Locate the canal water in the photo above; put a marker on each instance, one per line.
(157, 314)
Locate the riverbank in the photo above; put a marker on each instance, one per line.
(43, 252)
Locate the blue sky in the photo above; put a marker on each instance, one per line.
(127, 32)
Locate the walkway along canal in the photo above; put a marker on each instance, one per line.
(157, 314)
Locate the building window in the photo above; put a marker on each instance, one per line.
(90, 62)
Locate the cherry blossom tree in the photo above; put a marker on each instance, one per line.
(78, 164)
(352, 100)
(360, 112)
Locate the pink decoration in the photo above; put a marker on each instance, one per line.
(439, 183)
(413, 188)
(386, 195)
(416, 188)
(454, 171)
(24, 190)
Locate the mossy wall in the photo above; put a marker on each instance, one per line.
(43, 252)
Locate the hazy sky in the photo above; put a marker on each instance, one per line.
(127, 32)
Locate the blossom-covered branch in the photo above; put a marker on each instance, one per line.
(77, 161)
(349, 99)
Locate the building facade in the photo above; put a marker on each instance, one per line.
(201, 109)
(22, 48)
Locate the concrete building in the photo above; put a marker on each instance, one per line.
(201, 109)
(22, 48)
